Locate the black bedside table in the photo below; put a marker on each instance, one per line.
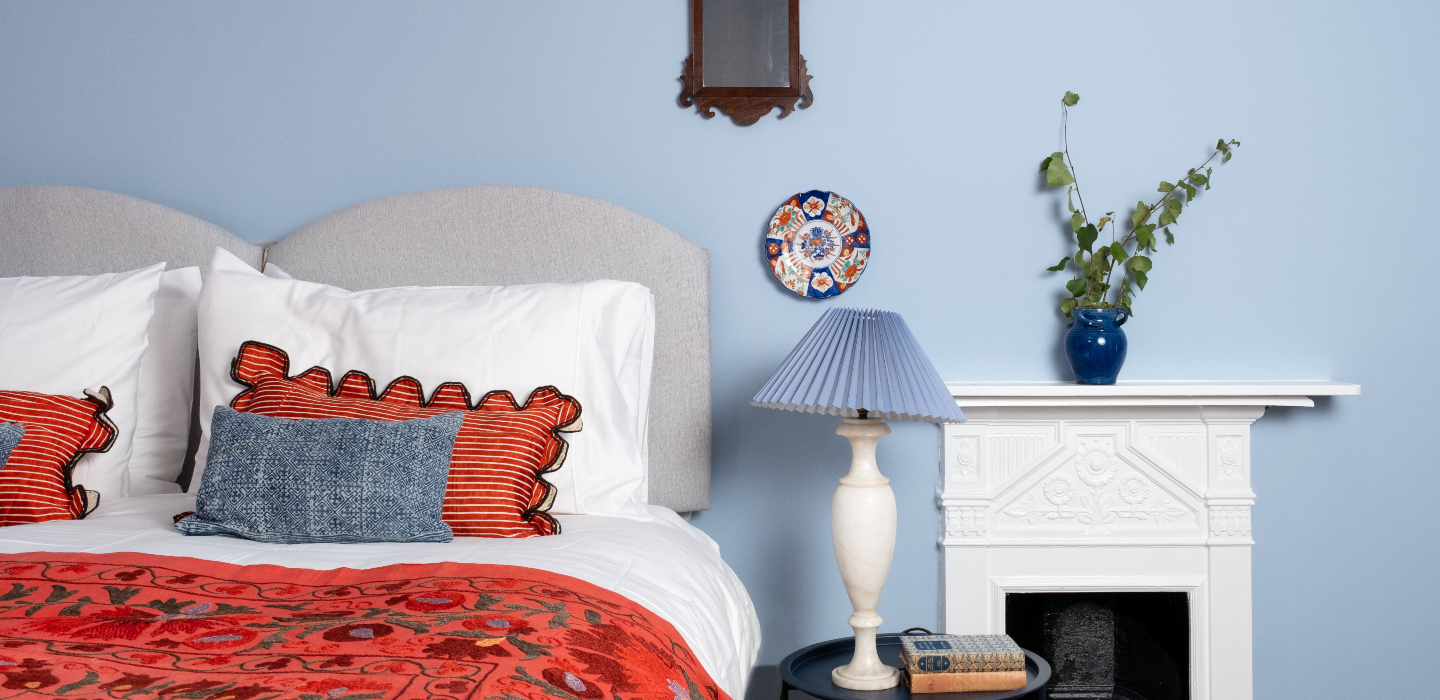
(808, 671)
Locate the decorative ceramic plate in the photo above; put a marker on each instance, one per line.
(817, 244)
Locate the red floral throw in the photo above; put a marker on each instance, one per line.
(495, 488)
(35, 481)
(153, 627)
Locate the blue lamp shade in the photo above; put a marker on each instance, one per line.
(855, 359)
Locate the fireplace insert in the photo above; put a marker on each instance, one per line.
(1107, 646)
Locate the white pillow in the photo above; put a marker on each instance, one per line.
(167, 386)
(276, 273)
(63, 335)
(592, 340)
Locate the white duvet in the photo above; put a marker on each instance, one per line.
(671, 568)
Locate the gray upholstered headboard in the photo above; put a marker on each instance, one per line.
(482, 235)
(48, 231)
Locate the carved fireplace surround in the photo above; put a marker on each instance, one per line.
(1137, 486)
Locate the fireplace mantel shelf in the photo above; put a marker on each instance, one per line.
(1149, 393)
(1134, 486)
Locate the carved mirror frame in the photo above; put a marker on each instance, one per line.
(745, 105)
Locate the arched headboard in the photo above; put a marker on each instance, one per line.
(500, 234)
(52, 230)
(482, 235)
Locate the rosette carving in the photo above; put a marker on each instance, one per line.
(1096, 462)
(1101, 504)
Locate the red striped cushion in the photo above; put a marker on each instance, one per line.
(495, 487)
(35, 483)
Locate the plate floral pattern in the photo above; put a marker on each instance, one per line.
(817, 244)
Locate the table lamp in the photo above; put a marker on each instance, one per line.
(864, 365)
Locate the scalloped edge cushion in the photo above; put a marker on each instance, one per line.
(35, 483)
(595, 339)
(496, 487)
(335, 480)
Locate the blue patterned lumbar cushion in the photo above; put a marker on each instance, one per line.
(324, 480)
(10, 434)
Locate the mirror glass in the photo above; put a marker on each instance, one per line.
(746, 43)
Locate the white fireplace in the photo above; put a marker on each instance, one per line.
(1138, 486)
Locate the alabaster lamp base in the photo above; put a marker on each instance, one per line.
(862, 523)
(862, 360)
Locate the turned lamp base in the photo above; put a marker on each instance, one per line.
(849, 359)
(889, 678)
(862, 524)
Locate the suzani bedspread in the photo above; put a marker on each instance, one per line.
(146, 626)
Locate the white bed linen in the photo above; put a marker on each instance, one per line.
(664, 564)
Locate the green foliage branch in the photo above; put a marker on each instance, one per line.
(1094, 266)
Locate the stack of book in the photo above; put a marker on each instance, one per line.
(955, 663)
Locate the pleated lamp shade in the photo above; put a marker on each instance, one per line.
(855, 359)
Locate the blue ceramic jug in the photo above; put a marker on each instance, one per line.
(1095, 344)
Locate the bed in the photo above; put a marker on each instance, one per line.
(651, 574)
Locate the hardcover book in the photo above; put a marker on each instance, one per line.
(957, 653)
(973, 681)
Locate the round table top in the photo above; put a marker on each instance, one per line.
(808, 670)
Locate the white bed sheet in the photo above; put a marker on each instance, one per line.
(666, 565)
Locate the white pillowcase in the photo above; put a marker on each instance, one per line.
(592, 340)
(167, 387)
(63, 335)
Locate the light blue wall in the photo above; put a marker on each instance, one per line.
(1313, 257)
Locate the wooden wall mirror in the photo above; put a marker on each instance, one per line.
(745, 59)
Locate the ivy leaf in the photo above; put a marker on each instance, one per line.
(1145, 237)
(1087, 236)
(1199, 179)
(1164, 187)
(1141, 279)
(1169, 237)
(1142, 213)
(1045, 164)
(1069, 198)
(1117, 251)
(1224, 147)
(1070, 99)
(1056, 174)
(1189, 191)
(1099, 263)
(1103, 220)
(1059, 266)
(1076, 287)
(1096, 293)
(1066, 306)
(1076, 222)
(1171, 213)
(1139, 264)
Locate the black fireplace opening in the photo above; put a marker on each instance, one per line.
(1107, 646)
